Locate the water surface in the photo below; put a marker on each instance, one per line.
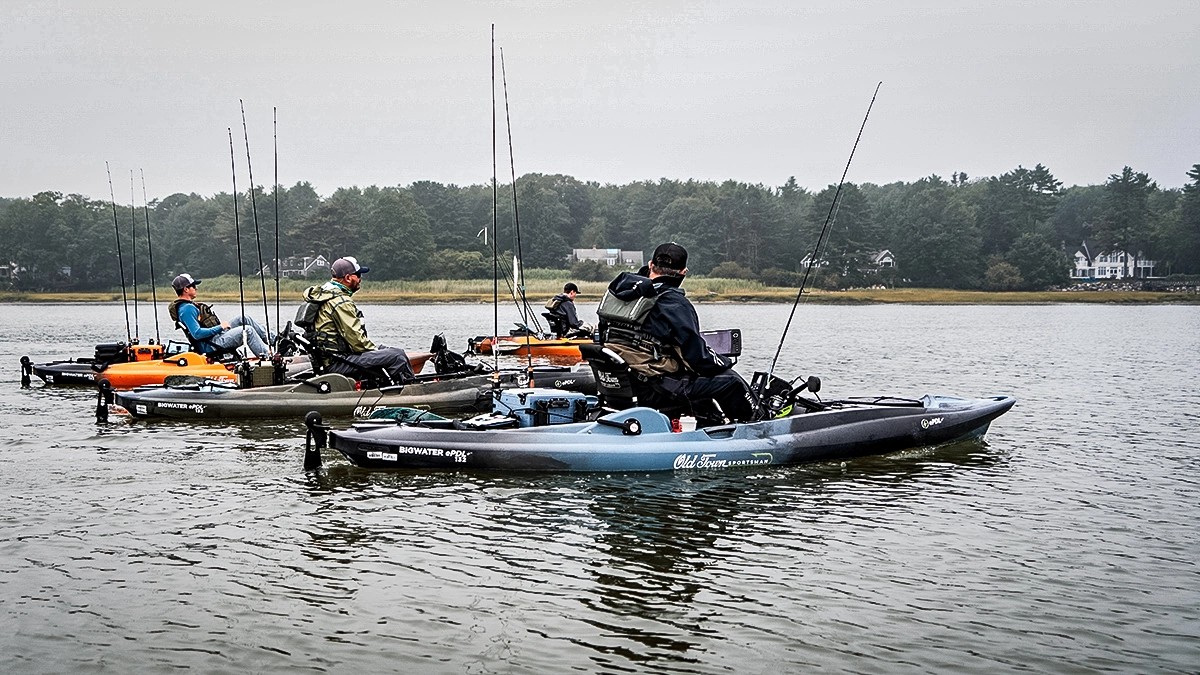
(1065, 543)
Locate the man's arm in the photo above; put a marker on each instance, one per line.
(685, 331)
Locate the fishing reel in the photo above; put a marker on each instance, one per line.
(778, 397)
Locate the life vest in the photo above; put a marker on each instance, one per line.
(206, 317)
(622, 328)
(329, 340)
(553, 303)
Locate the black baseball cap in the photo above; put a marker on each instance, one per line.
(570, 286)
(670, 256)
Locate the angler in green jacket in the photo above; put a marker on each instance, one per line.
(338, 327)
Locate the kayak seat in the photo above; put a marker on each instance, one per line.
(557, 323)
(371, 378)
(216, 355)
(615, 382)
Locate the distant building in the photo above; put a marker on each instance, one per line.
(882, 260)
(876, 261)
(1092, 263)
(299, 266)
(608, 256)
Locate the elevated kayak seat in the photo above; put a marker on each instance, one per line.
(615, 382)
(557, 323)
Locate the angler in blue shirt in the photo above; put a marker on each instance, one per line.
(206, 332)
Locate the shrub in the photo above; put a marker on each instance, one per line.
(732, 270)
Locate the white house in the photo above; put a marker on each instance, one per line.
(1092, 263)
(882, 260)
(608, 256)
(298, 266)
(879, 260)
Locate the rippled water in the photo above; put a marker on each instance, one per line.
(1066, 543)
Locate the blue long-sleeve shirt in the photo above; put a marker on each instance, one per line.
(189, 316)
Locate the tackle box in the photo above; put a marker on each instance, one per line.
(536, 407)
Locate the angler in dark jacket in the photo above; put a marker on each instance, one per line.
(563, 306)
(660, 339)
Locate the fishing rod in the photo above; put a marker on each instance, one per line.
(829, 218)
(237, 233)
(495, 252)
(137, 327)
(275, 192)
(150, 254)
(262, 278)
(518, 269)
(120, 260)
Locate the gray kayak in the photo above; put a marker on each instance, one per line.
(336, 395)
(642, 439)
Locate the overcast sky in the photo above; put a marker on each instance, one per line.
(386, 93)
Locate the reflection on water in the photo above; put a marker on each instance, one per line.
(1062, 544)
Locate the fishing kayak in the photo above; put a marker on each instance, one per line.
(141, 373)
(83, 370)
(132, 375)
(336, 395)
(643, 439)
(531, 346)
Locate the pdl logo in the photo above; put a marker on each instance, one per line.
(926, 423)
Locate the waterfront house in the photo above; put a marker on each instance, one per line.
(1093, 262)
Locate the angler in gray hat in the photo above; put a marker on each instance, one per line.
(208, 334)
(338, 327)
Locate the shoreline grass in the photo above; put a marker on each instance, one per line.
(479, 291)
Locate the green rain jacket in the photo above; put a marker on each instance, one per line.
(338, 326)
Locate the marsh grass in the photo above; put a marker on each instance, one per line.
(541, 286)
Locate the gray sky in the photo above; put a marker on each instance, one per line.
(386, 93)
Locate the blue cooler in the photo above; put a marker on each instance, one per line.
(541, 407)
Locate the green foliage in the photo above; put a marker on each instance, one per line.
(943, 234)
(1002, 276)
(594, 270)
(1126, 221)
(934, 236)
(1184, 230)
(449, 264)
(1019, 202)
(773, 276)
(1041, 265)
(732, 270)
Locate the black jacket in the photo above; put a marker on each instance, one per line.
(566, 309)
(672, 320)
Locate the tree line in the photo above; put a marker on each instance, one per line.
(1016, 231)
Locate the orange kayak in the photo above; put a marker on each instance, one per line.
(520, 345)
(138, 373)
